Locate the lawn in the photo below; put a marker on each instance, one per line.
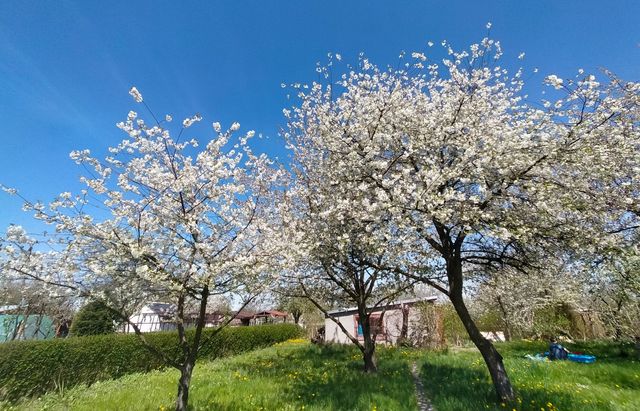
(289, 376)
(298, 375)
(458, 380)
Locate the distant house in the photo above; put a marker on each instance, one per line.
(389, 322)
(161, 317)
(211, 319)
(153, 317)
(242, 318)
(269, 317)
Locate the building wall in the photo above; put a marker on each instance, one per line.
(333, 333)
(148, 321)
(392, 323)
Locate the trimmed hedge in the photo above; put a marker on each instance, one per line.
(30, 368)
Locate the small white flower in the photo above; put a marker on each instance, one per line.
(488, 25)
(554, 81)
(9, 190)
(430, 43)
(135, 94)
(235, 126)
(338, 57)
(188, 122)
(419, 56)
(217, 127)
(168, 118)
(520, 56)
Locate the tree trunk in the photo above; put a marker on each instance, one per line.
(492, 357)
(296, 316)
(505, 320)
(190, 351)
(404, 331)
(369, 351)
(370, 363)
(183, 387)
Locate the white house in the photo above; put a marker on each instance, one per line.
(153, 317)
(386, 322)
(161, 317)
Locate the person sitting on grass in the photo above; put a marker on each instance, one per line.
(557, 351)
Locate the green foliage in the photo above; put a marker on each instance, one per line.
(552, 320)
(454, 331)
(29, 368)
(94, 318)
(490, 320)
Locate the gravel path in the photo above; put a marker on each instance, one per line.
(423, 402)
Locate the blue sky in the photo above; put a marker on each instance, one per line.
(66, 67)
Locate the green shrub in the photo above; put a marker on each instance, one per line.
(94, 318)
(454, 331)
(30, 368)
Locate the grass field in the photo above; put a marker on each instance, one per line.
(300, 376)
(458, 380)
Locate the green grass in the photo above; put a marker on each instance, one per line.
(459, 380)
(291, 376)
(295, 376)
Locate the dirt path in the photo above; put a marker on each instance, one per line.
(423, 402)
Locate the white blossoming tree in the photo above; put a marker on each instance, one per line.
(614, 293)
(470, 174)
(162, 219)
(31, 300)
(518, 298)
(335, 259)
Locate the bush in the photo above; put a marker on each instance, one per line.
(94, 318)
(454, 331)
(30, 368)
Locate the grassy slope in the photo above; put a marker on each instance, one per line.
(294, 376)
(289, 376)
(459, 381)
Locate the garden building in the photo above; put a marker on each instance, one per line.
(411, 320)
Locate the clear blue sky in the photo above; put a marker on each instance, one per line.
(66, 67)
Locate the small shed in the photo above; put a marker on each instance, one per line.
(389, 322)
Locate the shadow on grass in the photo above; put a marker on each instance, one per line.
(461, 382)
(331, 378)
(337, 381)
(459, 388)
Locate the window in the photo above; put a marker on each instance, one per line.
(376, 324)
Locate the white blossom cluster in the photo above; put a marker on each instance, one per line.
(158, 219)
(450, 162)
